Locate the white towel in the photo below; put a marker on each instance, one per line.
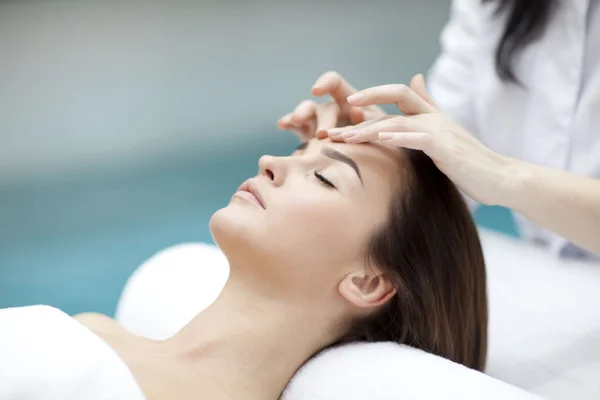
(388, 371)
(45, 354)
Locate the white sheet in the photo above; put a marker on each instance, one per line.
(45, 354)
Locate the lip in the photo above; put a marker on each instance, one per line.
(251, 188)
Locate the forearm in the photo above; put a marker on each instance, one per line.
(564, 203)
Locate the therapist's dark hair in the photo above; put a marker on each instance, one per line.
(430, 248)
(526, 21)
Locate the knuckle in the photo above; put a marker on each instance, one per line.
(307, 103)
(399, 122)
(400, 92)
(400, 89)
(335, 80)
(333, 75)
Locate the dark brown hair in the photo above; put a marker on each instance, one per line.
(526, 22)
(430, 247)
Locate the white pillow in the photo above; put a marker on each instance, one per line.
(382, 371)
(544, 318)
(171, 288)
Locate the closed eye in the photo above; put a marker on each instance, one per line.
(324, 180)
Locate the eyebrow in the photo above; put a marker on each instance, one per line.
(336, 155)
(302, 146)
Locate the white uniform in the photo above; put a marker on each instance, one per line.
(555, 120)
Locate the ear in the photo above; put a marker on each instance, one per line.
(367, 289)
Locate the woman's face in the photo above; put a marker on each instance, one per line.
(301, 225)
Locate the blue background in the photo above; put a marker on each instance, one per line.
(125, 125)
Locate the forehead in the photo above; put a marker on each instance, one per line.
(377, 162)
(369, 156)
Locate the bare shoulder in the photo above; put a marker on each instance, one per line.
(100, 323)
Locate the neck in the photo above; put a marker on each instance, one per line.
(250, 345)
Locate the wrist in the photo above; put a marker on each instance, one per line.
(518, 177)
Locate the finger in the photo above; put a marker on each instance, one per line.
(340, 130)
(299, 132)
(404, 97)
(303, 131)
(327, 117)
(304, 112)
(410, 140)
(370, 131)
(356, 115)
(334, 84)
(336, 133)
(417, 84)
(309, 129)
(285, 122)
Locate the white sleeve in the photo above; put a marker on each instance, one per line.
(451, 79)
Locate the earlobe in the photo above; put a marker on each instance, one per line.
(366, 290)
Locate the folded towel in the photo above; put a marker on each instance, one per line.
(388, 371)
(45, 354)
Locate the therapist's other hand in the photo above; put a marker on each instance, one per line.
(475, 169)
(310, 119)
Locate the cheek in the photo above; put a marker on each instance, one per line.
(317, 229)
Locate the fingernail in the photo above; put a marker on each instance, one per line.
(349, 134)
(385, 136)
(334, 134)
(355, 98)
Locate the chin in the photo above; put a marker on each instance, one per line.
(232, 231)
(226, 225)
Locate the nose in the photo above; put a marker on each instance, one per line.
(273, 168)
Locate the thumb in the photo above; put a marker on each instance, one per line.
(417, 84)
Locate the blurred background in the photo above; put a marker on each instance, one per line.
(125, 125)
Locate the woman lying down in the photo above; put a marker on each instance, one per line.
(333, 244)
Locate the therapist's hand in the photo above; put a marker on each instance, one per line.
(476, 170)
(310, 119)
